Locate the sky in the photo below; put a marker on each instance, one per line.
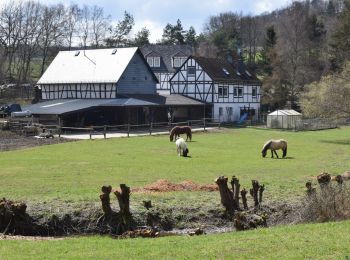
(155, 14)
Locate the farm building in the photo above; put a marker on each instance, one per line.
(287, 119)
(231, 92)
(106, 86)
(165, 60)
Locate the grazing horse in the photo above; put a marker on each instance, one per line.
(274, 145)
(181, 147)
(177, 130)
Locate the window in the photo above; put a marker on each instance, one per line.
(238, 92)
(178, 61)
(223, 91)
(153, 61)
(220, 111)
(77, 53)
(225, 71)
(114, 51)
(156, 62)
(150, 61)
(191, 71)
(254, 92)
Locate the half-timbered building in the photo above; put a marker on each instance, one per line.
(165, 60)
(106, 86)
(232, 91)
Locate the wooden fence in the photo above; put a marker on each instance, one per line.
(132, 128)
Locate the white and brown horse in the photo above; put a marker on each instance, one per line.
(274, 145)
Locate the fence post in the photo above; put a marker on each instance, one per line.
(104, 131)
(128, 130)
(90, 133)
(150, 128)
(188, 122)
(59, 131)
(204, 123)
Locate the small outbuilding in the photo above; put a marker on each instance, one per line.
(286, 119)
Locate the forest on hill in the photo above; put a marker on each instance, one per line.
(295, 50)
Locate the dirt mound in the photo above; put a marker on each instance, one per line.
(167, 186)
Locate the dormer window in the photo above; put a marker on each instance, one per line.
(248, 73)
(114, 51)
(226, 71)
(153, 61)
(77, 53)
(178, 61)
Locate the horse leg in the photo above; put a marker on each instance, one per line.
(272, 153)
(276, 153)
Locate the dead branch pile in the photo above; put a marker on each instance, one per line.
(329, 201)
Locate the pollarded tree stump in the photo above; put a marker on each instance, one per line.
(323, 179)
(124, 204)
(261, 190)
(225, 194)
(235, 190)
(254, 192)
(105, 200)
(244, 198)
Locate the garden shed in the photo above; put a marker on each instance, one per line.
(286, 119)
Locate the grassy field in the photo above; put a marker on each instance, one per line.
(76, 171)
(313, 241)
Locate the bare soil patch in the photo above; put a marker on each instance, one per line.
(163, 185)
(12, 141)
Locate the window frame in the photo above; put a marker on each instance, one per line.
(236, 91)
(194, 70)
(254, 89)
(224, 91)
(156, 62)
(150, 61)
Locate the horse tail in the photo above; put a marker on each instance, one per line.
(285, 151)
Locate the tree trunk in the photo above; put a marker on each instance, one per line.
(226, 195)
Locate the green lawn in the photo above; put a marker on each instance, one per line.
(75, 171)
(313, 241)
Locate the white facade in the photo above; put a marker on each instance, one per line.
(229, 98)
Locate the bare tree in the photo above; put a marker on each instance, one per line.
(99, 25)
(73, 16)
(53, 30)
(30, 35)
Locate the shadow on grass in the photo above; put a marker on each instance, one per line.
(343, 142)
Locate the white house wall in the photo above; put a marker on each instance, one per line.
(67, 91)
(201, 87)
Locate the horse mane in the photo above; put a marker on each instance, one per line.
(266, 145)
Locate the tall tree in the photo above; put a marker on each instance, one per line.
(99, 25)
(141, 37)
(191, 37)
(340, 44)
(173, 34)
(120, 34)
(73, 16)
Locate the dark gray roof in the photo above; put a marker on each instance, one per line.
(166, 52)
(220, 69)
(65, 106)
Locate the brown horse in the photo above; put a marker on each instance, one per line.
(178, 130)
(274, 145)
